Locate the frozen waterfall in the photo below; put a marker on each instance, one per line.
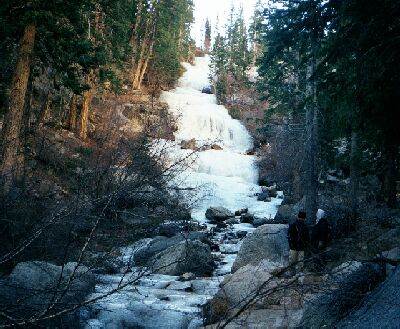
(228, 175)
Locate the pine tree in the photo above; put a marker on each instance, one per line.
(207, 36)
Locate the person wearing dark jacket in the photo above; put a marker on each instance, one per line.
(320, 237)
(298, 238)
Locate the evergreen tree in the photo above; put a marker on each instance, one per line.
(207, 36)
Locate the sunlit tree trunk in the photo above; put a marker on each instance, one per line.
(84, 119)
(14, 116)
(135, 39)
(72, 113)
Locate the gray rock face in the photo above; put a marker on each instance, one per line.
(218, 214)
(341, 292)
(36, 284)
(187, 256)
(380, 309)
(267, 242)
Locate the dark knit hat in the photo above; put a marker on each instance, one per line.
(302, 214)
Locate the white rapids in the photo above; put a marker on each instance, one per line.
(226, 178)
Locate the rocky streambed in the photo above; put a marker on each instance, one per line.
(170, 279)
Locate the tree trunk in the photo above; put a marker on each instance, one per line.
(72, 113)
(13, 118)
(389, 183)
(144, 68)
(87, 97)
(45, 109)
(354, 174)
(312, 139)
(135, 39)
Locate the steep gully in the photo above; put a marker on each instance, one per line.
(226, 178)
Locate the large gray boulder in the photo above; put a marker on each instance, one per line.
(35, 285)
(246, 281)
(267, 242)
(257, 287)
(187, 256)
(380, 309)
(142, 254)
(342, 291)
(218, 214)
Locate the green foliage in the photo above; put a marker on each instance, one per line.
(172, 40)
(357, 79)
(230, 57)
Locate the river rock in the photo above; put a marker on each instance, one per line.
(273, 193)
(232, 221)
(247, 218)
(260, 221)
(241, 211)
(189, 144)
(263, 196)
(187, 256)
(267, 242)
(218, 214)
(241, 234)
(216, 147)
(142, 252)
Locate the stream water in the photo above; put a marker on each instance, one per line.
(229, 179)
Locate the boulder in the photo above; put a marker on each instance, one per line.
(263, 196)
(187, 256)
(232, 221)
(285, 214)
(260, 221)
(241, 234)
(245, 281)
(241, 211)
(143, 252)
(342, 291)
(237, 289)
(379, 309)
(169, 229)
(273, 193)
(36, 284)
(216, 147)
(247, 218)
(218, 214)
(189, 144)
(267, 242)
(207, 90)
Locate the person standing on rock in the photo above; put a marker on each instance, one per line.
(320, 237)
(298, 238)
